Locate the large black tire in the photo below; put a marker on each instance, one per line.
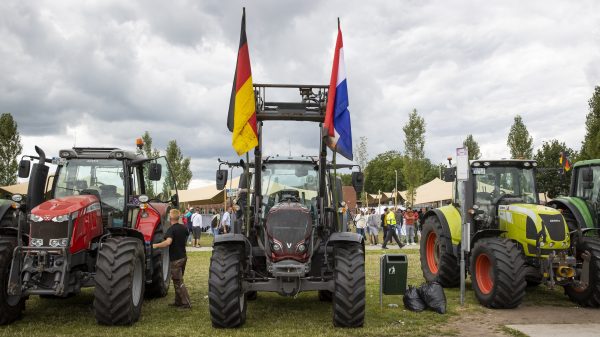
(589, 295)
(349, 277)
(161, 269)
(437, 262)
(11, 307)
(498, 273)
(120, 281)
(226, 299)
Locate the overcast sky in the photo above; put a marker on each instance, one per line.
(100, 73)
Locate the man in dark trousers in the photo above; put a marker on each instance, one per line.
(175, 239)
(390, 219)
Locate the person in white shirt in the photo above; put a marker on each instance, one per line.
(361, 223)
(226, 220)
(197, 227)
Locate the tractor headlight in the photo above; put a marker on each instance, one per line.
(35, 218)
(301, 248)
(61, 218)
(542, 244)
(36, 242)
(58, 242)
(276, 247)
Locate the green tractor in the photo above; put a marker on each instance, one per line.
(581, 210)
(514, 241)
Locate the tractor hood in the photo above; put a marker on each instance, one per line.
(63, 206)
(289, 228)
(536, 222)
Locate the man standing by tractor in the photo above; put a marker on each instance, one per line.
(175, 239)
(197, 227)
(390, 220)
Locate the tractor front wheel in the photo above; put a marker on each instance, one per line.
(437, 261)
(119, 290)
(226, 299)
(11, 307)
(587, 294)
(161, 269)
(498, 273)
(349, 277)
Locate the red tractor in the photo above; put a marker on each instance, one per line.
(107, 207)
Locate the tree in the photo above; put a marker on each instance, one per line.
(548, 176)
(590, 147)
(10, 147)
(346, 179)
(414, 154)
(473, 147)
(148, 152)
(519, 142)
(180, 166)
(380, 172)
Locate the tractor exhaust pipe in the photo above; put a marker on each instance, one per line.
(565, 271)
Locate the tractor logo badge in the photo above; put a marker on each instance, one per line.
(47, 218)
(392, 271)
(289, 245)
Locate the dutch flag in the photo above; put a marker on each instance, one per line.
(337, 116)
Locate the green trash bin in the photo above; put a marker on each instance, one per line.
(393, 275)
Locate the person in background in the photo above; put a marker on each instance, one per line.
(384, 226)
(188, 223)
(226, 221)
(373, 228)
(410, 218)
(214, 222)
(361, 223)
(197, 227)
(175, 239)
(390, 219)
(398, 215)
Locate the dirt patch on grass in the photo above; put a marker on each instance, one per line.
(488, 322)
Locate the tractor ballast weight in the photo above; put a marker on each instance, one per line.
(290, 238)
(101, 219)
(514, 240)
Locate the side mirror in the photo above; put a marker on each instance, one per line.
(244, 180)
(175, 200)
(358, 181)
(450, 174)
(24, 168)
(221, 179)
(154, 171)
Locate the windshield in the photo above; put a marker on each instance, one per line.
(588, 190)
(100, 177)
(294, 181)
(492, 183)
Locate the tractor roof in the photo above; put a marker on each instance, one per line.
(591, 162)
(499, 162)
(98, 153)
(295, 159)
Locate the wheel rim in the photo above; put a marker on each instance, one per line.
(431, 252)
(136, 287)
(483, 272)
(165, 264)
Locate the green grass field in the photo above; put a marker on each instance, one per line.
(269, 315)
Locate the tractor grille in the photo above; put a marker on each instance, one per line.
(47, 230)
(555, 225)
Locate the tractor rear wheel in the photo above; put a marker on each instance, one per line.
(349, 277)
(161, 268)
(587, 295)
(11, 307)
(119, 289)
(437, 261)
(226, 299)
(498, 273)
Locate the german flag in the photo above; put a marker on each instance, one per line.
(565, 163)
(241, 119)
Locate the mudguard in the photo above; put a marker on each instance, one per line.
(122, 231)
(450, 219)
(577, 207)
(229, 238)
(346, 237)
(4, 207)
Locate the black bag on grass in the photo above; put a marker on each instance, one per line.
(433, 295)
(412, 300)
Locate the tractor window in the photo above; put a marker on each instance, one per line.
(492, 183)
(588, 190)
(164, 188)
(298, 181)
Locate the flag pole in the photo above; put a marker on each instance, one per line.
(335, 201)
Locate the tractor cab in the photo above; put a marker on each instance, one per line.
(497, 184)
(586, 187)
